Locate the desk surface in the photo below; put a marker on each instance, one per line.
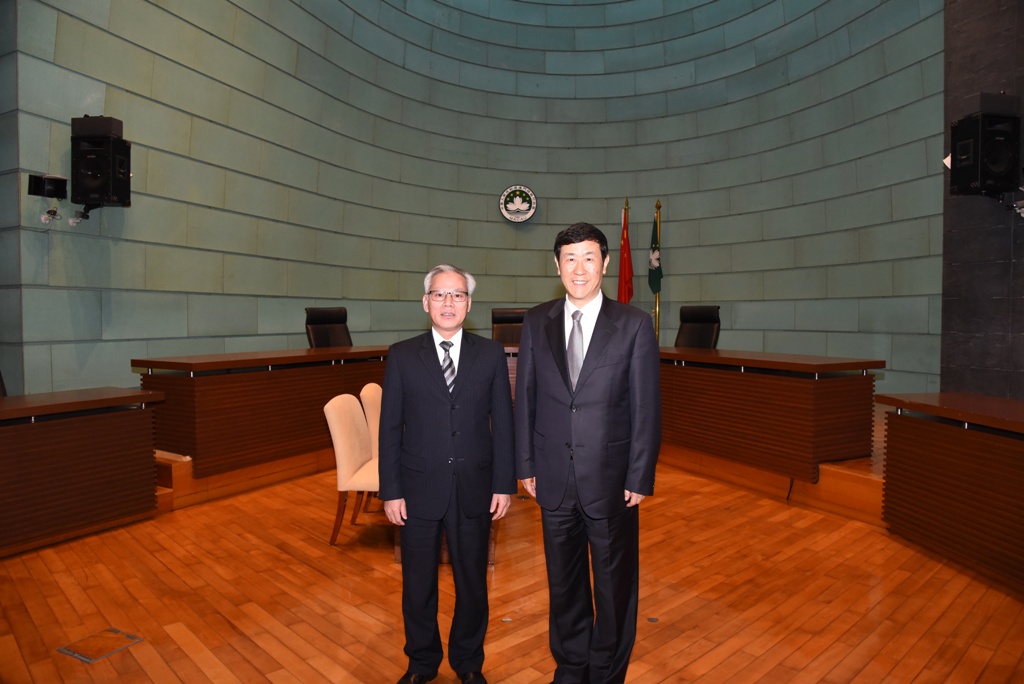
(786, 362)
(722, 357)
(70, 401)
(995, 412)
(255, 359)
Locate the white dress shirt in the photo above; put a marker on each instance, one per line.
(588, 321)
(456, 341)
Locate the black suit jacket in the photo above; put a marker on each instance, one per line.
(610, 426)
(426, 432)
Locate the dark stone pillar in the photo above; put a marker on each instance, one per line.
(983, 241)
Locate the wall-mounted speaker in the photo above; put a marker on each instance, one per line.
(984, 155)
(101, 162)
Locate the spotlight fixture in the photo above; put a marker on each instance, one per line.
(48, 186)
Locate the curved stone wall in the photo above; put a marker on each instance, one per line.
(322, 151)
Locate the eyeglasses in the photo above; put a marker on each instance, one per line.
(456, 295)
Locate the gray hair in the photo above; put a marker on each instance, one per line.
(448, 268)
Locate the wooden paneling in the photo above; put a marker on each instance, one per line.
(782, 412)
(957, 491)
(67, 475)
(231, 420)
(783, 422)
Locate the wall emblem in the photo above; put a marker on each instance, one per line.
(518, 203)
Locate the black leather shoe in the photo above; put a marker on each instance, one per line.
(414, 678)
(474, 677)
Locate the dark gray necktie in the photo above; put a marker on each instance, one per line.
(447, 366)
(574, 352)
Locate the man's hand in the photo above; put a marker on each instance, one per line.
(633, 499)
(531, 486)
(395, 510)
(500, 504)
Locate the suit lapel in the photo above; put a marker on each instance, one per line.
(467, 357)
(555, 332)
(430, 361)
(604, 332)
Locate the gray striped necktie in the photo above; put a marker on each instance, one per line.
(447, 367)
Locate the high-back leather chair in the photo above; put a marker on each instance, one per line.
(698, 326)
(507, 325)
(327, 327)
(3, 389)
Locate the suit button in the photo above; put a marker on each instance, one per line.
(573, 408)
(455, 433)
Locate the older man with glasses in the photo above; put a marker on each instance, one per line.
(446, 466)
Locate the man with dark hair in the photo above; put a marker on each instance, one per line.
(446, 466)
(588, 429)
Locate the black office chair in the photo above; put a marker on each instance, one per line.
(698, 326)
(3, 389)
(327, 327)
(507, 325)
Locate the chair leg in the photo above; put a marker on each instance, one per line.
(359, 504)
(342, 501)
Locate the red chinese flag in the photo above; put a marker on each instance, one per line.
(625, 262)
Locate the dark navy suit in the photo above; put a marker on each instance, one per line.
(446, 454)
(585, 448)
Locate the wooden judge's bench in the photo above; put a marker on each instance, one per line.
(226, 423)
(74, 462)
(954, 478)
(249, 418)
(233, 422)
(782, 413)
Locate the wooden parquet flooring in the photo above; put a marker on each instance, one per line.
(735, 587)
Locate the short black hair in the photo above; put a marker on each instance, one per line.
(581, 232)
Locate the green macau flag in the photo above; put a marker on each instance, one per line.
(654, 260)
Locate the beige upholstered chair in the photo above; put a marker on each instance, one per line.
(357, 469)
(370, 398)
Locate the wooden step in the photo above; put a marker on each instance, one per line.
(852, 489)
(174, 472)
(164, 500)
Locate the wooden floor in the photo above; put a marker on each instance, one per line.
(735, 587)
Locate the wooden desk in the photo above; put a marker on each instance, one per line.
(74, 462)
(783, 413)
(954, 478)
(232, 411)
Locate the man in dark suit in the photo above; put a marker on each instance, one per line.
(588, 429)
(446, 465)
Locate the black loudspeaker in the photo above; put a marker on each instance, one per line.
(984, 155)
(101, 162)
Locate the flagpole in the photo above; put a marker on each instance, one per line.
(657, 295)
